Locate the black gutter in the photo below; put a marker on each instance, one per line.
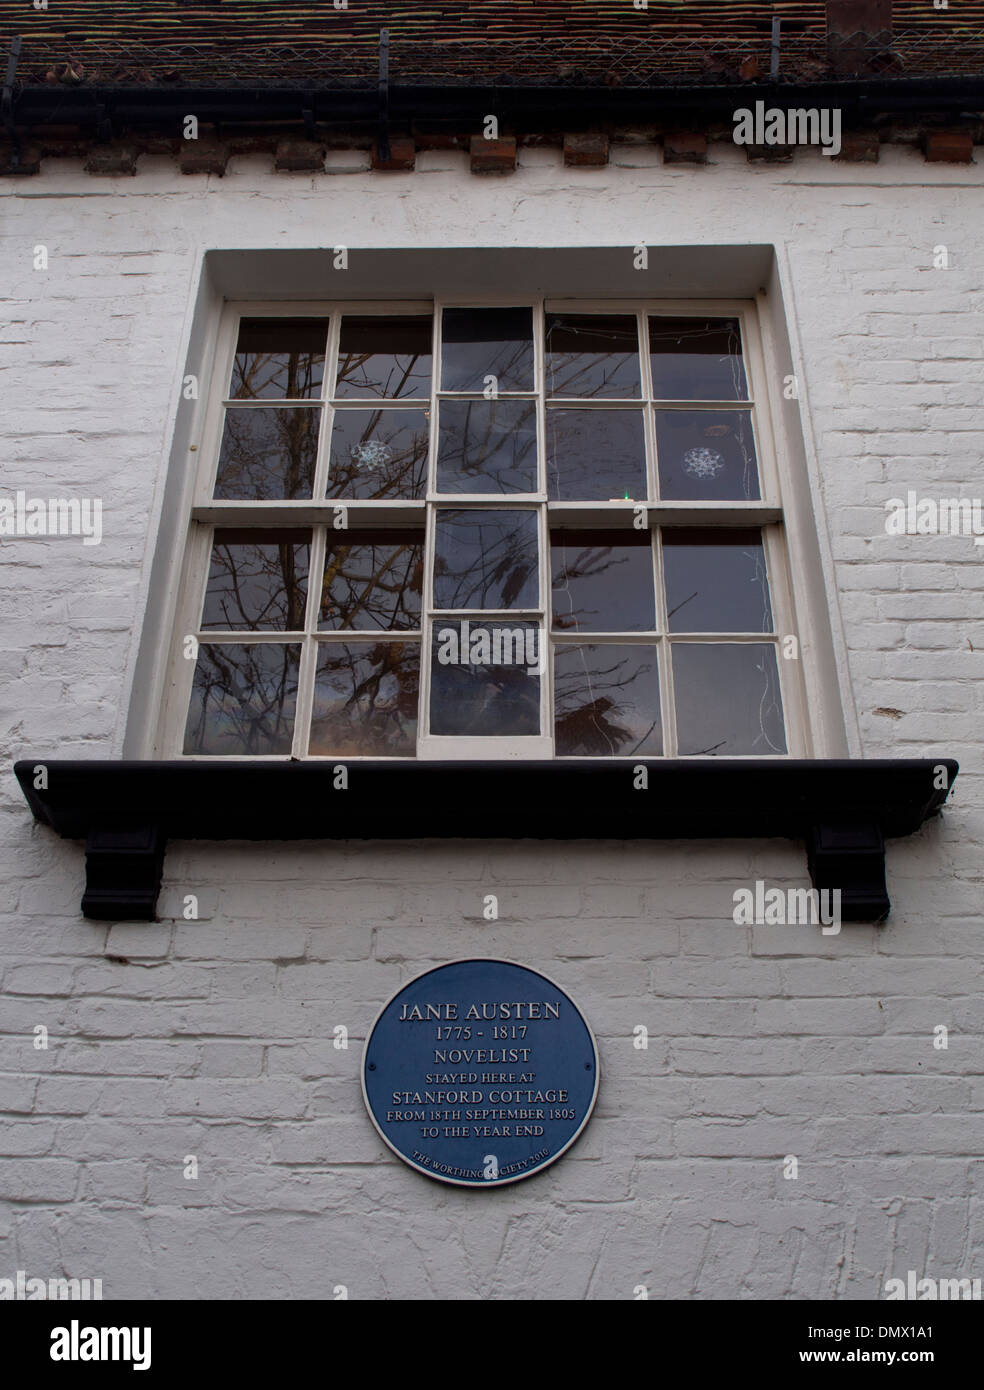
(162, 109)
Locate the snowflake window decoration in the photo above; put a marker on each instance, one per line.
(703, 463)
(372, 455)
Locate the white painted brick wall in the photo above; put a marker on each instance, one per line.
(214, 1038)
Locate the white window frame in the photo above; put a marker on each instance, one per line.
(207, 513)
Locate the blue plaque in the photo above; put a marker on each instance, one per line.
(480, 1073)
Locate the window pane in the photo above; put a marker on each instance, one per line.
(486, 559)
(477, 343)
(378, 453)
(257, 581)
(716, 581)
(373, 580)
(707, 455)
(484, 678)
(727, 699)
(279, 357)
(242, 699)
(596, 455)
(592, 355)
(487, 446)
(606, 700)
(385, 356)
(365, 698)
(602, 581)
(697, 359)
(268, 454)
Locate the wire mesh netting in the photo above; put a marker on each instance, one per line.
(515, 62)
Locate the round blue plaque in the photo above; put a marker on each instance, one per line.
(480, 1073)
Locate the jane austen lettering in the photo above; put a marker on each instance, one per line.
(482, 1088)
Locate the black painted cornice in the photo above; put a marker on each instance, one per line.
(127, 811)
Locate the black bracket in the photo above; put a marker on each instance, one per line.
(384, 96)
(123, 868)
(7, 98)
(849, 857)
